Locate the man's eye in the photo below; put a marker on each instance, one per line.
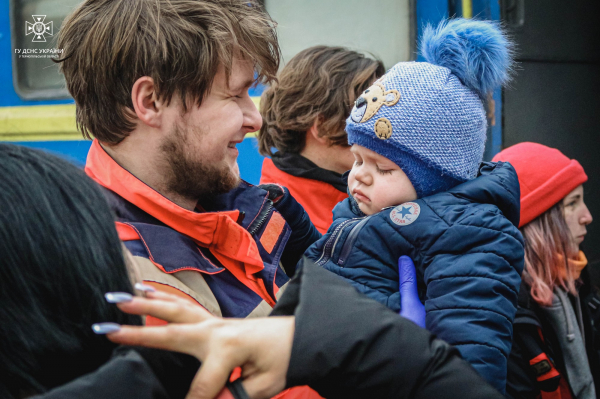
(357, 163)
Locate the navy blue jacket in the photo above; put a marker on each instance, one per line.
(174, 251)
(468, 252)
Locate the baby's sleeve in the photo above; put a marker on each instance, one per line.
(472, 288)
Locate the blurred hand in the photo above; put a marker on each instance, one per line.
(261, 346)
(410, 304)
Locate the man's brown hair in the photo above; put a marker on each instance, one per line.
(109, 44)
(319, 83)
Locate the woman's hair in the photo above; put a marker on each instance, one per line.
(548, 246)
(59, 254)
(319, 83)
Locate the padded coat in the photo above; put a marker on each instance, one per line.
(468, 253)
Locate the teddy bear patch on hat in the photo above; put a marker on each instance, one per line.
(429, 117)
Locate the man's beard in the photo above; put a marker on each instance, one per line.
(189, 176)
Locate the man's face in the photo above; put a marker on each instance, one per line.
(375, 182)
(201, 147)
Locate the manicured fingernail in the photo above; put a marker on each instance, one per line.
(144, 287)
(105, 328)
(118, 297)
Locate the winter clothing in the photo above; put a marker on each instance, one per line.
(543, 184)
(140, 373)
(468, 253)
(568, 324)
(347, 346)
(316, 189)
(575, 265)
(228, 257)
(299, 166)
(236, 243)
(428, 117)
(552, 349)
(392, 357)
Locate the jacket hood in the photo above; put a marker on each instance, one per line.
(496, 183)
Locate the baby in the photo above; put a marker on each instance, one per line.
(417, 188)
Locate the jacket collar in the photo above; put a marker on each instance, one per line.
(496, 183)
(299, 166)
(231, 243)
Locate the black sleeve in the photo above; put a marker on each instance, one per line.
(349, 346)
(133, 373)
(521, 379)
(126, 375)
(304, 233)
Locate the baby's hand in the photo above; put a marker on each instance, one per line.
(410, 304)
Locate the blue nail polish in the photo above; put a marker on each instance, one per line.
(105, 328)
(144, 287)
(118, 297)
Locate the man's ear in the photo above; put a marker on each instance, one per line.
(314, 132)
(146, 105)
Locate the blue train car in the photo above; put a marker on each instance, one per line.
(37, 111)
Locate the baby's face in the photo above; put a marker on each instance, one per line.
(375, 182)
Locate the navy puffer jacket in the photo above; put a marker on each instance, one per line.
(468, 253)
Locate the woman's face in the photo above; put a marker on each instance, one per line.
(577, 214)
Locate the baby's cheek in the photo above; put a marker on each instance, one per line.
(386, 199)
(351, 179)
(367, 210)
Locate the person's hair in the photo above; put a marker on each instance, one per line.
(109, 44)
(548, 247)
(59, 254)
(319, 83)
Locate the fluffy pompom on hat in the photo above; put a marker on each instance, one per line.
(429, 117)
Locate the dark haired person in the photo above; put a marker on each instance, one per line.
(59, 254)
(553, 353)
(304, 116)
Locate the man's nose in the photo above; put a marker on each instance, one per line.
(252, 118)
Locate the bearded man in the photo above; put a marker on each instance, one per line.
(162, 86)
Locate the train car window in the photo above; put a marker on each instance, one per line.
(34, 28)
(383, 28)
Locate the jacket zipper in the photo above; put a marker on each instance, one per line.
(332, 242)
(257, 224)
(350, 241)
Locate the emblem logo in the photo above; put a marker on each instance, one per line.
(405, 214)
(39, 29)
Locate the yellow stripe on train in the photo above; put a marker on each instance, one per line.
(45, 123)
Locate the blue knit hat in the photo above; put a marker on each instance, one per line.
(429, 117)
